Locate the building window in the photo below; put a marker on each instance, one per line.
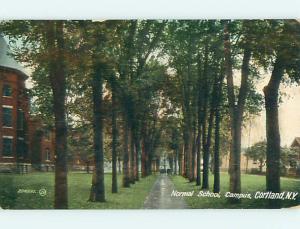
(7, 90)
(47, 135)
(21, 147)
(7, 116)
(20, 120)
(7, 146)
(48, 156)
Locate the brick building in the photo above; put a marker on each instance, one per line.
(23, 141)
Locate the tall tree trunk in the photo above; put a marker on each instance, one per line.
(189, 100)
(204, 105)
(137, 156)
(234, 164)
(58, 84)
(217, 142)
(180, 163)
(171, 163)
(235, 158)
(98, 189)
(216, 151)
(236, 111)
(198, 177)
(186, 139)
(207, 139)
(143, 160)
(149, 163)
(206, 149)
(199, 124)
(114, 187)
(119, 165)
(193, 156)
(218, 119)
(132, 154)
(273, 134)
(176, 161)
(126, 169)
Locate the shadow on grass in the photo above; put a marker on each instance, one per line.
(36, 191)
(250, 184)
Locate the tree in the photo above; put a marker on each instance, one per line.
(100, 65)
(288, 158)
(114, 136)
(218, 119)
(237, 103)
(285, 48)
(58, 84)
(98, 189)
(257, 152)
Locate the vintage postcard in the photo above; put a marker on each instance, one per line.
(149, 114)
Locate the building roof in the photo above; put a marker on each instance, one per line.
(296, 142)
(8, 62)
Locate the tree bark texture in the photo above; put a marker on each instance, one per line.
(55, 43)
(98, 190)
(272, 131)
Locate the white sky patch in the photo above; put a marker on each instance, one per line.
(289, 116)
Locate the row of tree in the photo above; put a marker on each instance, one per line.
(153, 86)
(203, 53)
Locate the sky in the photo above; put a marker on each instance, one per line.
(289, 117)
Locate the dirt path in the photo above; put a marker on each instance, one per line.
(160, 196)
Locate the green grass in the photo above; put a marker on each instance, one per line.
(79, 189)
(127, 198)
(250, 184)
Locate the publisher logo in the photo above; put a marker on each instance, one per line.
(43, 192)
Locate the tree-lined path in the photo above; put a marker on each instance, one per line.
(160, 195)
(125, 96)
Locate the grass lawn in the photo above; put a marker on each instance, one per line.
(250, 184)
(11, 186)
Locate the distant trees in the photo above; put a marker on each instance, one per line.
(257, 153)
